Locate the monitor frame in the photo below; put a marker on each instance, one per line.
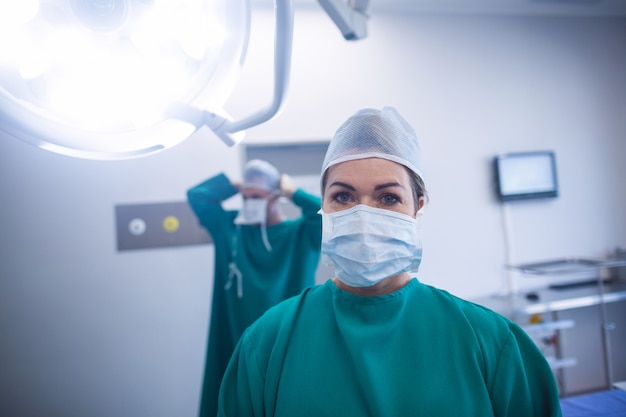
(512, 181)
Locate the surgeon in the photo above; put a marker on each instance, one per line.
(374, 340)
(261, 257)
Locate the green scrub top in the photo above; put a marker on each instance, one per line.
(419, 351)
(267, 277)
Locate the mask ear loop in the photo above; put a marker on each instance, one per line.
(266, 241)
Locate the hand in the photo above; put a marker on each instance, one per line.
(287, 186)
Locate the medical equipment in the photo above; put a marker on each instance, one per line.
(572, 266)
(525, 175)
(116, 79)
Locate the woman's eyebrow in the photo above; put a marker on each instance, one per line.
(388, 184)
(342, 184)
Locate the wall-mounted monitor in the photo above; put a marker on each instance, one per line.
(526, 175)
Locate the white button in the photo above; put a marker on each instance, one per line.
(137, 227)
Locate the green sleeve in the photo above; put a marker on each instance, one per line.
(206, 200)
(523, 384)
(310, 205)
(241, 392)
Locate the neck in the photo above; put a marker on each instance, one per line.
(386, 286)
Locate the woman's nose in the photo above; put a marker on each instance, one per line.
(367, 201)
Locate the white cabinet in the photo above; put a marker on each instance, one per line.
(597, 367)
(581, 331)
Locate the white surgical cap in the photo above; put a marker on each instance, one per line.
(261, 175)
(371, 133)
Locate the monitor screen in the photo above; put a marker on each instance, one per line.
(526, 175)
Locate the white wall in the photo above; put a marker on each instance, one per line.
(85, 330)
(473, 87)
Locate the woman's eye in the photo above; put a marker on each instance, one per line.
(389, 199)
(342, 197)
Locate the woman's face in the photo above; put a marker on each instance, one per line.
(374, 182)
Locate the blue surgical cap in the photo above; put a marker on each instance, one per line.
(261, 175)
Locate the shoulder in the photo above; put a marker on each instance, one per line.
(498, 342)
(483, 322)
(267, 339)
(278, 321)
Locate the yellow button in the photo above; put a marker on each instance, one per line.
(535, 319)
(171, 224)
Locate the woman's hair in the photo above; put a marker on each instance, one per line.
(419, 188)
(417, 185)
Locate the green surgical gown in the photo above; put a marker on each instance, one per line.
(267, 277)
(418, 351)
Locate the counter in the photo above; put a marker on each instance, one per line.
(547, 300)
(581, 330)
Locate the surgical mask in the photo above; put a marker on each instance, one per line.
(254, 211)
(367, 244)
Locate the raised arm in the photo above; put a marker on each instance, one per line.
(206, 200)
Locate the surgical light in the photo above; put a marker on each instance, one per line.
(115, 79)
(349, 16)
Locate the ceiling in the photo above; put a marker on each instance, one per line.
(515, 7)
